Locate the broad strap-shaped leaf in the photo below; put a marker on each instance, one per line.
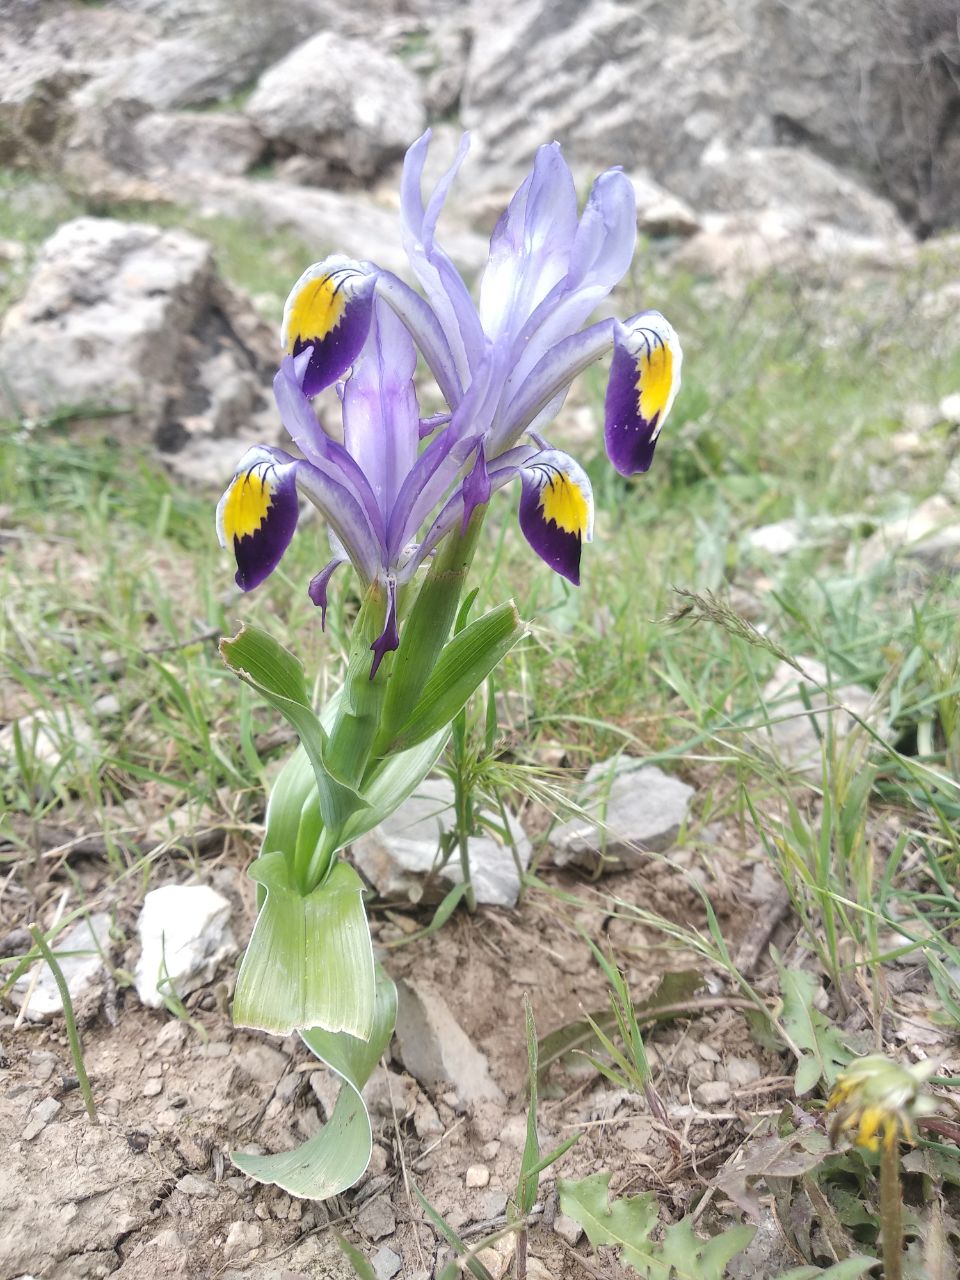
(824, 1053)
(391, 782)
(848, 1269)
(461, 668)
(628, 1223)
(338, 1155)
(309, 962)
(277, 675)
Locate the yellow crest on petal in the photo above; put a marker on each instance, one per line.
(246, 505)
(654, 381)
(564, 502)
(316, 309)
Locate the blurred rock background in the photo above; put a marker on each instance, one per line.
(759, 135)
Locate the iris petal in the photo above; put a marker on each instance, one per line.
(257, 516)
(644, 381)
(317, 589)
(556, 510)
(389, 637)
(329, 310)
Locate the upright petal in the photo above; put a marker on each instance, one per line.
(556, 510)
(601, 254)
(329, 310)
(530, 246)
(257, 515)
(442, 283)
(644, 381)
(381, 416)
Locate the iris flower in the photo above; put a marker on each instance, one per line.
(503, 365)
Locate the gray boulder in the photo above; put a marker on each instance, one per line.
(649, 84)
(630, 809)
(398, 856)
(342, 101)
(133, 319)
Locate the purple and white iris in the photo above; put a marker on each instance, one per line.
(504, 367)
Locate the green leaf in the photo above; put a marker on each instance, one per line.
(823, 1052)
(680, 1255)
(309, 962)
(390, 782)
(848, 1269)
(672, 989)
(337, 1156)
(277, 675)
(462, 1250)
(462, 667)
(361, 1267)
(529, 1175)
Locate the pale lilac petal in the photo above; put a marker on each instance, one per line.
(530, 247)
(528, 404)
(601, 255)
(347, 518)
(326, 455)
(446, 291)
(426, 331)
(381, 417)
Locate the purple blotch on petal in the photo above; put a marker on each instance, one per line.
(630, 439)
(560, 549)
(317, 589)
(389, 637)
(258, 553)
(333, 354)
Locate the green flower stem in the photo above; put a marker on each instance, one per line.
(427, 628)
(72, 1034)
(464, 825)
(891, 1210)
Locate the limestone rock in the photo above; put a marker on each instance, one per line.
(184, 933)
(342, 101)
(791, 737)
(930, 534)
(630, 808)
(208, 142)
(397, 856)
(435, 1049)
(661, 213)
(83, 971)
(130, 318)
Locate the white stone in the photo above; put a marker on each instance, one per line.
(477, 1176)
(950, 408)
(185, 933)
(397, 856)
(40, 1117)
(791, 737)
(386, 1263)
(82, 972)
(341, 100)
(629, 809)
(930, 533)
(126, 317)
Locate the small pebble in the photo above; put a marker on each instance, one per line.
(242, 1239)
(40, 1117)
(567, 1229)
(478, 1175)
(191, 1185)
(386, 1263)
(742, 1072)
(713, 1093)
(152, 1088)
(708, 1053)
(491, 1150)
(376, 1219)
